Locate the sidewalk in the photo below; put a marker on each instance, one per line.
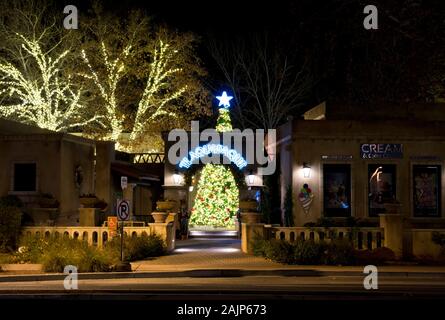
(223, 258)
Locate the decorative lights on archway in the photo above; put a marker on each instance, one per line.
(213, 149)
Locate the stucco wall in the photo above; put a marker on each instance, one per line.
(313, 139)
(72, 155)
(45, 151)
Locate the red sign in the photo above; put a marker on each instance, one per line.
(112, 226)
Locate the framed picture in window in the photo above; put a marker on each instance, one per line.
(381, 186)
(426, 190)
(337, 190)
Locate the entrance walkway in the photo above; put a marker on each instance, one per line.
(205, 253)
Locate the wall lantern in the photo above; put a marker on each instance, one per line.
(250, 178)
(306, 170)
(177, 178)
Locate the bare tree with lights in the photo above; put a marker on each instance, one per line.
(148, 79)
(267, 83)
(34, 89)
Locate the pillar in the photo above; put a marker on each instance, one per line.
(103, 183)
(128, 195)
(392, 225)
(166, 231)
(249, 231)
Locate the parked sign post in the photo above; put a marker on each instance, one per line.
(123, 212)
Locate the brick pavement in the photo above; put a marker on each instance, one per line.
(205, 253)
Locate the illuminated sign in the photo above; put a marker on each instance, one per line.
(213, 149)
(381, 151)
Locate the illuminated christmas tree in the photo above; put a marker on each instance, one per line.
(217, 197)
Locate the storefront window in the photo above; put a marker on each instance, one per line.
(382, 187)
(426, 190)
(337, 190)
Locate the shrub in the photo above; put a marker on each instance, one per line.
(259, 247)
(307, 252)
(10, 227)
(279, 251)
(56, 253)
(376, 256)
(338, 252)
(143, 247)
(11, 201)
(137, 248)
(30, 250)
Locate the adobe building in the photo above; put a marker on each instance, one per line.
(342, 163)
(40, 166)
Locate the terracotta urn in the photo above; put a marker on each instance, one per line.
(87, 202)
(159, 216)
(165, 205)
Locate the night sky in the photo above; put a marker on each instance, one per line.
(398, 63)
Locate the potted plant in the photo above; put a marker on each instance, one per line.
(165, 205)
(87, 200)
(159, 216)
(101, 205)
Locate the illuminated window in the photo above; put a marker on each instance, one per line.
(382, 187)
(426, 190)
(25, 176)
(337, 190)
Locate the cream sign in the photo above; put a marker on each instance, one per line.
(381, 151)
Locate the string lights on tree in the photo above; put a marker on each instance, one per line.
(45, 97)
(217, 197)
(114, 72)
(157, 96)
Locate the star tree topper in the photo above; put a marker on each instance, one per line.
(224, 100)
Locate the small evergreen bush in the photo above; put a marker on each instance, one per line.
(10, 226)
(56, 253)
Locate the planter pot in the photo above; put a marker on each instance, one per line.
(88, 202)
(248, 206)
(159, 216)
(89, 217)
(165, 205)
(392, 207)
(250, 217)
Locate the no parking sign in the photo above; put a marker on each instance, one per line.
(123, 210)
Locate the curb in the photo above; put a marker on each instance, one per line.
(212, 273)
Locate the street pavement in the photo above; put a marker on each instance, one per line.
(211, 268)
